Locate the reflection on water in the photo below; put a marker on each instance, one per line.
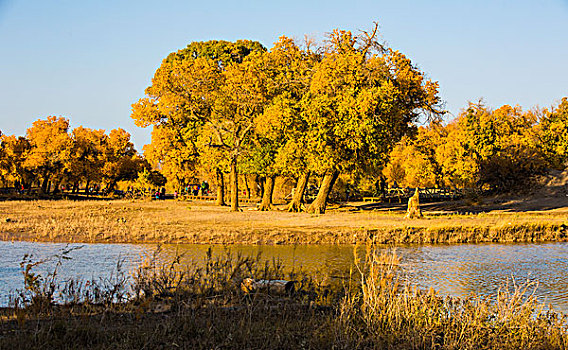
(459, 270)
(92, 261)
(483, 269)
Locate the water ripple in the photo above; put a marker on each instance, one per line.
(457, 270)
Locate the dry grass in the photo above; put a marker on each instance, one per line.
(191, 222)
(189, 307)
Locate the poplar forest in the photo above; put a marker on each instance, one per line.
(305, 142)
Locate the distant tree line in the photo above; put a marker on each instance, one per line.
(494, 150)
(51, 156)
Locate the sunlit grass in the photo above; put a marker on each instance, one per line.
(191, 222)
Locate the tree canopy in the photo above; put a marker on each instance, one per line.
(496, 150)
(51, 153)
(294, 109)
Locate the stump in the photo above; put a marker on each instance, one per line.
(413, 210)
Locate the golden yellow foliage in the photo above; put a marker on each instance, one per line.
(50, 148)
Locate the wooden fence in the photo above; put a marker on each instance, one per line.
(213, 199)
(426, 194)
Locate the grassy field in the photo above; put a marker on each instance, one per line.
(194, 222)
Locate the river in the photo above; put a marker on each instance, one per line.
(457, 270)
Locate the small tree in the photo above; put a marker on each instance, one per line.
(122, 162)
(87, 156)
(149, 179)
(13, 151)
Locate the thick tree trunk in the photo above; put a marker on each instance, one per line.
(234, 186)
(297, 203)
(320, 203)
(87, 188)
(266, 203)
(220, 188)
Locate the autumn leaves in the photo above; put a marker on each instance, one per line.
(295, 110)
(498, 150)
(51, 156)
(345, 108)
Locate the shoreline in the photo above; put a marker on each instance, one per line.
(185, 222)
(397, 237)
(222, 306)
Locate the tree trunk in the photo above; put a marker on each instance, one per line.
(87, 188)
(220, 188)
(247, 186)
(297, 202)
(44, 184)
(234, 186)
(256, 186)
(266, 203)
(413, 210)
(261, 185)
(319, 204)
(56, 187)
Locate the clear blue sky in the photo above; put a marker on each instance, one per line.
(90, 60)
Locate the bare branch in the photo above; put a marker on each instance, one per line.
(370, 40)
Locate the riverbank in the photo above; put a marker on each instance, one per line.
(177, 306)
(170, 221)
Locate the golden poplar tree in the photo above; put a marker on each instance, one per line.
(362, 99)
(50, 149)
(209, 88)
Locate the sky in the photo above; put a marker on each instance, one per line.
(89, 61)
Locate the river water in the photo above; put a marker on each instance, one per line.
(456, 270)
